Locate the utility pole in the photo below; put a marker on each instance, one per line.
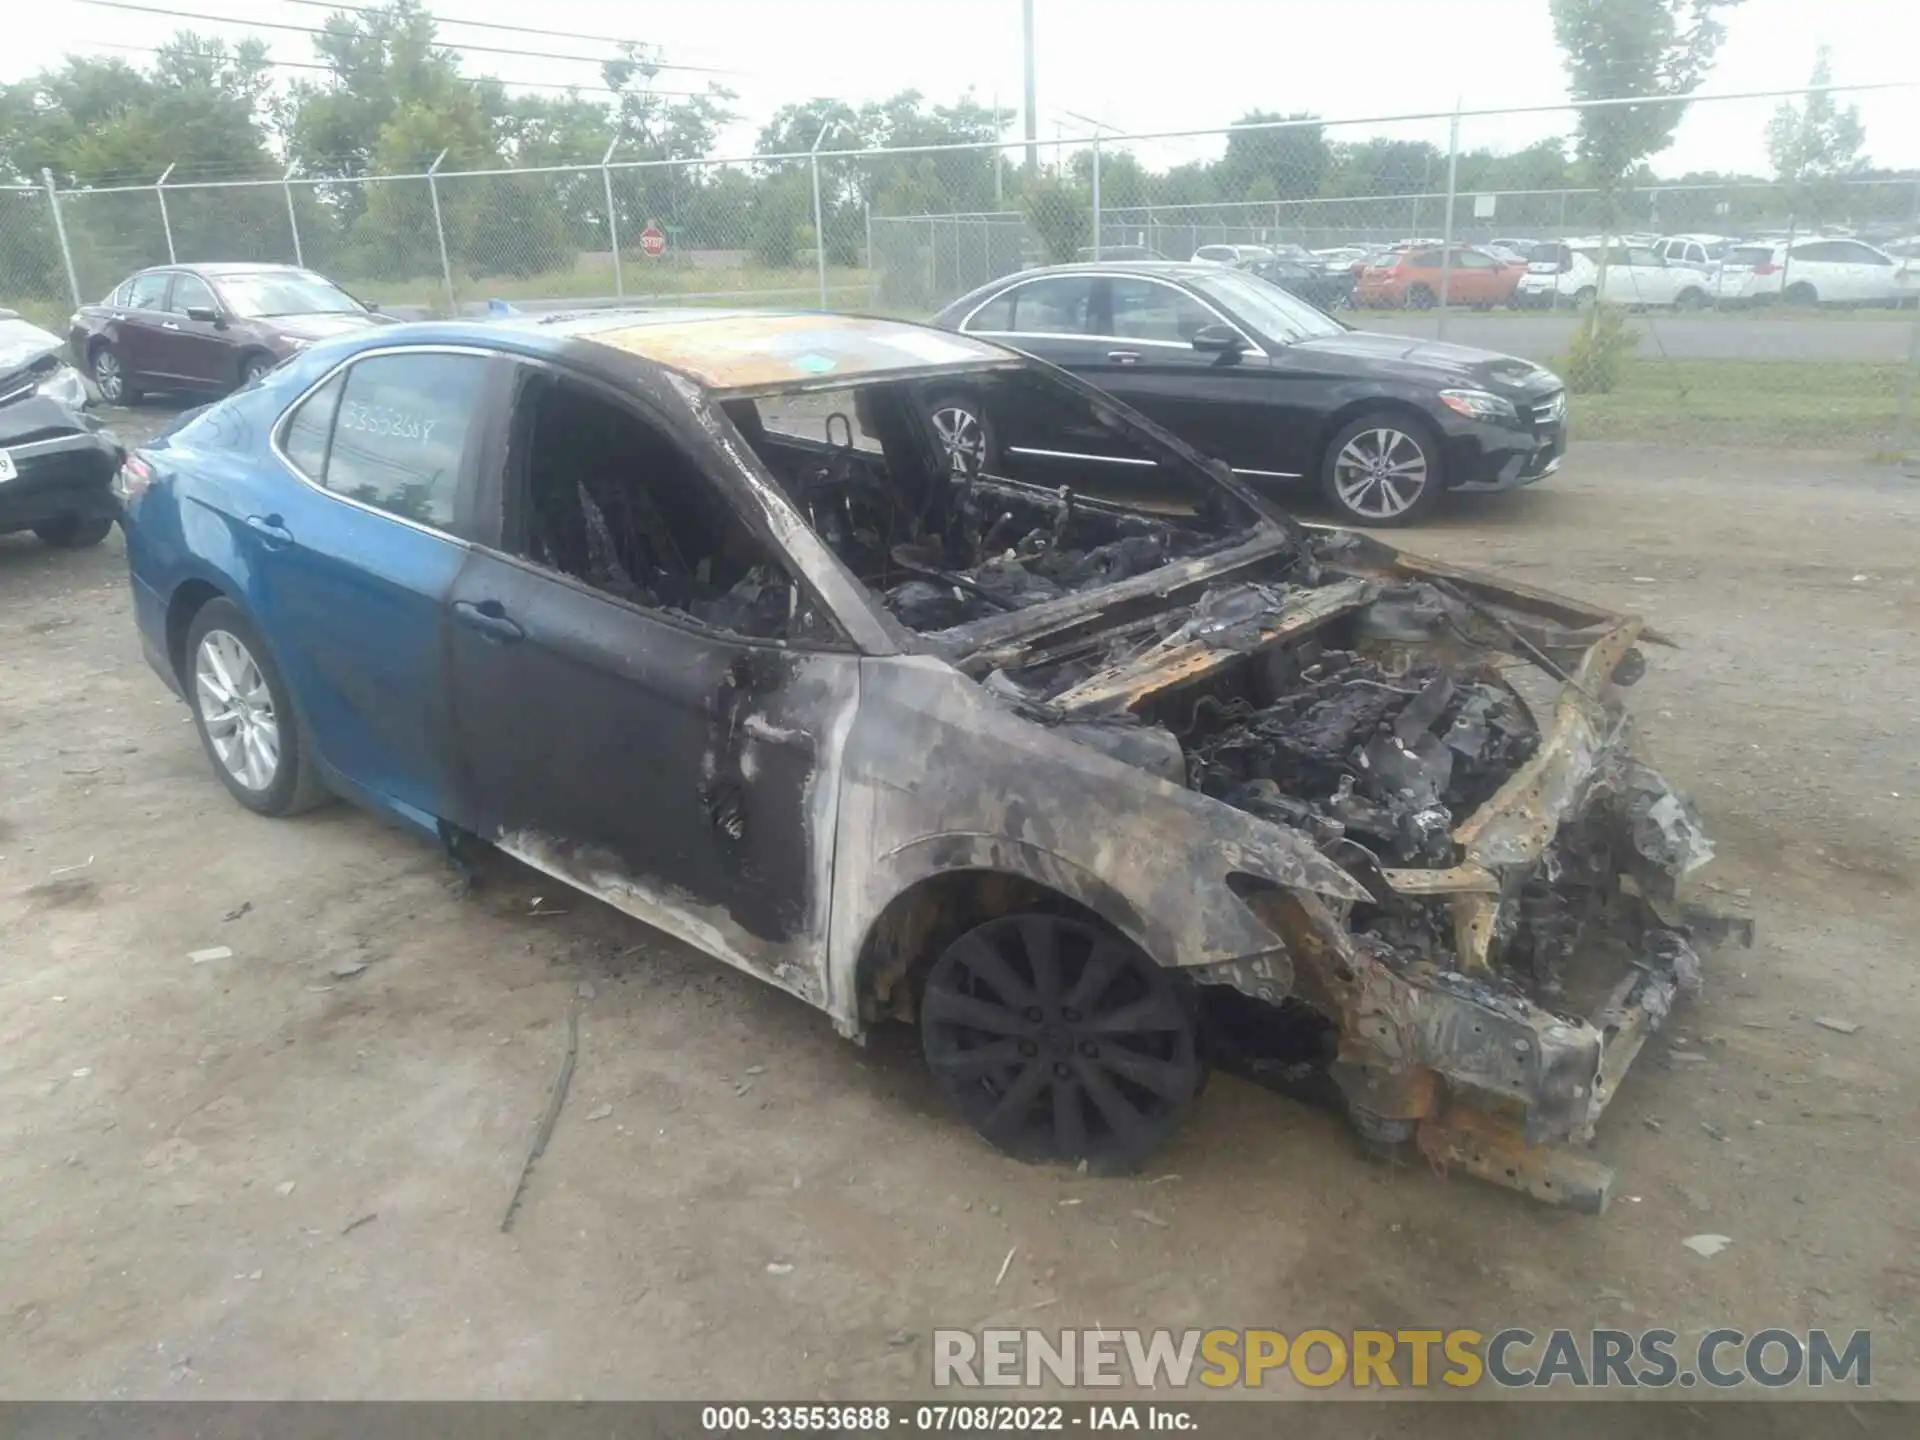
(1033, 99)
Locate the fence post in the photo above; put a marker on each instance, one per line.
(1096, 194)
(1903, 442)
(440, 231)
(60, 232)
(293, 220)
(166, 221)
(819, 227)
(613, 223)
(1446, 254)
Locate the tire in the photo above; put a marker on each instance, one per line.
(110, 377)
(1419, 297)
(74, 532)
(254, 365)
(1060, 1040)
(1690, 299)
(1584, 297)
(1800, 293)
(225, 653)
(964, 431)
(1382, 468)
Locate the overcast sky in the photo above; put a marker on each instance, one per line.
(1137, 65)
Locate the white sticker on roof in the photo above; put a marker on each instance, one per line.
(934, 349)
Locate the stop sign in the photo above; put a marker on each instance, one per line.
(653, 240)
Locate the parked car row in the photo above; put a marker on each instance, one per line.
(1685, 272)
(1695, 271)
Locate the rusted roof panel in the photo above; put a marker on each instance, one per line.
(736, 352)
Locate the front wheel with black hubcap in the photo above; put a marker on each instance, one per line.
(1059, 1040)
(255, 367)
(244, 715)
(1382, 468)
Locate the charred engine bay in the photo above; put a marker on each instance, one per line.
(1370, 714)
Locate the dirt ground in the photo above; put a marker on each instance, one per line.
(259, 1176)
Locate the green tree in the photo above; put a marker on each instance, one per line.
(1294, 161)
(1615, 49)
(393, 101)
(1815, 147)
(1060, 213)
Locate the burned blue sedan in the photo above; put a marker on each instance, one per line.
(1097, 777)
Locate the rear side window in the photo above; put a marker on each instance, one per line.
(310, 430)
(146, 292)
(390, 432)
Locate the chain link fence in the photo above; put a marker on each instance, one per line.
(1712, 306)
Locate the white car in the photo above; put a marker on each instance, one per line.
(1699, 252)
(1823, 270)
(1569, 274)
(1233, 254)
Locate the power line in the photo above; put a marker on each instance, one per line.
(319, 30)
(522, 30)
(464, 79)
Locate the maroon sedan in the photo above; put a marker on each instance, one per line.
(207, 327)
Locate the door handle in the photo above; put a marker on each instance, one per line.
(1124, 357)
(489, 618)
(271, 529)
(168, 325)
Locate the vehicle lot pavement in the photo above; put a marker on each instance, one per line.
(192, 1152)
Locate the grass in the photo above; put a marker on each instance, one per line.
(591, 278)
(1837, 405)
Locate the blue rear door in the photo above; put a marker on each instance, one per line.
(353, 569)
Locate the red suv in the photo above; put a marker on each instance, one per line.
(1410, 279)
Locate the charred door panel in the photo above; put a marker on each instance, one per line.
(685, 777)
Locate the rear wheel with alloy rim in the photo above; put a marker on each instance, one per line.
(1058, 1039)
(245, 718)
(1419, 297)
(965, 433)
(110, 375)
(1382, 469)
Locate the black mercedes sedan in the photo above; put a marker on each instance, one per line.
(1280, 391)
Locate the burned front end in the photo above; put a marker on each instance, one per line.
(1460, 748)
(1495, 921)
